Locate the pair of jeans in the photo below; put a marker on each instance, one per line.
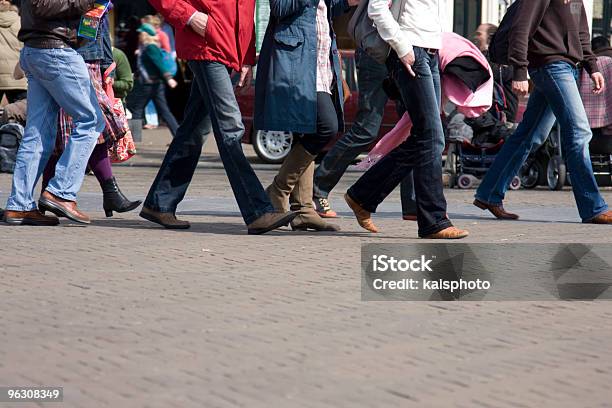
(557, 96)
(327, 125)
(57, 78)
(212, 102)
(421, 152)
(143, 92)
(363, 132)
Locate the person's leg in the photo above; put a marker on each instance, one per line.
(558, 84)
(37, 143)
(139, 97)
(408, 195)
(532, 132)
(372, 100)
(161, 104)
(75, 92)
(218, 93)
(422, 151)
(100, 163)
(300, 197)
(181, 160)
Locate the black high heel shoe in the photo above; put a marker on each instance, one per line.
(114, 200)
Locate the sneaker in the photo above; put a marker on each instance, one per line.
(323, 208)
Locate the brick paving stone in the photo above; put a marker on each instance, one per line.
(212, 317)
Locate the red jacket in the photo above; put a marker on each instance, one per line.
(230, 33)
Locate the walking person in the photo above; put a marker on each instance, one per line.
(310, 104)
(57, 78)
(10, 46)
(413, 30)
(152, 75)
(550, 40)
(212, 56)
(98, 56)
(364, 131)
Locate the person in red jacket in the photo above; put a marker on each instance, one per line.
(215, 38)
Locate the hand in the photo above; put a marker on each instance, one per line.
(599, 83)
(246, 76)
(172, 83)
(408, 60)
(352, 3)
(199, 22)
(520, 87)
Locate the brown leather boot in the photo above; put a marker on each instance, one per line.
(364, 217)
(62, 208)
(296, 162)
(605, 218)
(269, 222)
(33, 217)
(497, 210)
(449, 233)
(165, 219)
(300, 201)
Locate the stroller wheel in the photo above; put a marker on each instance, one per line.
(556, 173)
(515, 184)
(466, 181)
(531, 174)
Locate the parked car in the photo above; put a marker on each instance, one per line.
(273, 146)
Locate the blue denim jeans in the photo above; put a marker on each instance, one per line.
(556, 95)
(363, 132)
(421, 153)
(143, 92)
(211, 102)
(56, 78)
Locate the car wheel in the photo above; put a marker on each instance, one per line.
(272, 146)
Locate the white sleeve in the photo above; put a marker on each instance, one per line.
(388, 28)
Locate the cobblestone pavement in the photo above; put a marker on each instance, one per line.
(125, 314)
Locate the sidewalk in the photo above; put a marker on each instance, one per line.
(125, 314)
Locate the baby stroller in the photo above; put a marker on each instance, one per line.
(468, 163)
(545, 166)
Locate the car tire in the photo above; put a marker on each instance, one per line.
(272, 146)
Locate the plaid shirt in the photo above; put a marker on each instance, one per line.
(598, 107)
(325, 75)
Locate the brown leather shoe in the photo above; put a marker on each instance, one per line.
(605, 218)
(449, 233)
(409, 217)
(62, 208)
(497, 210)
(33, 217)
(165, 219)
(364, 217)
(270, 221)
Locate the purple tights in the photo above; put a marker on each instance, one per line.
(99, 163)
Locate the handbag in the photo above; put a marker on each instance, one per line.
(362, 30)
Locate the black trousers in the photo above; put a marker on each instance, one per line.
(327, 125)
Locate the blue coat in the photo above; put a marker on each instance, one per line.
(286, 87)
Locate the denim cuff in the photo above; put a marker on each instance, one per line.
(442, 225)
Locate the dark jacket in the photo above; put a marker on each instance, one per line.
(547, 31)
(604, 52)
(52, 23)
(286, 88)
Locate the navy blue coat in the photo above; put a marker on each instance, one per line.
(286, 87)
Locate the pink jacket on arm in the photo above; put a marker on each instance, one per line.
(471, 104)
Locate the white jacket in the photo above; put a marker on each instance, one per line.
(408, 23)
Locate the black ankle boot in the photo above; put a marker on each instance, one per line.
(114, 200)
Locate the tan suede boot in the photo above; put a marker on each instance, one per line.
(296, 162)
(300, 200)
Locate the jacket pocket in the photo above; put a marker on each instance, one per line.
(288, 41)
